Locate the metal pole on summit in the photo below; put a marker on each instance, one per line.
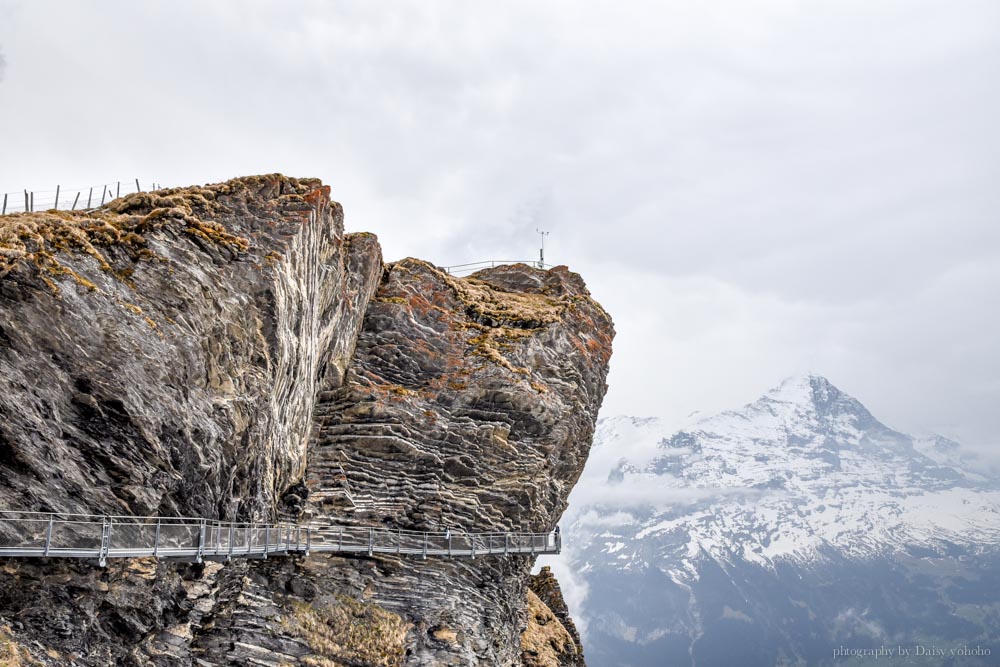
(541, 250)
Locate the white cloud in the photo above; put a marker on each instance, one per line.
(753, 189)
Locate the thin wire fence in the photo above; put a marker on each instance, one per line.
(472, 267)
(72, 198)
(97, 538)
(95, 196)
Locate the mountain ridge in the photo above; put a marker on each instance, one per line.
(719, 524)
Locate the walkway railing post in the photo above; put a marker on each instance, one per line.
(340, 543)
(56, 206)
(48, 536)
(506, 543)
(156, 540)
(232, 537)
(102, 558)
(201, 542)
(90, 196)
(308, 539)
(399, 540)
(250, 537)
(449, 544)
(267, 537)
(472, 538)
(371, 541)
(425, 546)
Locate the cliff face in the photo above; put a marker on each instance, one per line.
(228, 352)
(161, 356)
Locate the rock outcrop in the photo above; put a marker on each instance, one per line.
(551, 637)
(229, 352)
(161, 355)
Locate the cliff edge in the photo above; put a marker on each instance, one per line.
(228, 352)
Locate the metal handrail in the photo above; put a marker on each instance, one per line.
(99, 537)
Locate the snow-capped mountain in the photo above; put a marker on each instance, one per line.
(773, 533)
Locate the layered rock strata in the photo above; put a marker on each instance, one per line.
(161, 355)
(228, 352)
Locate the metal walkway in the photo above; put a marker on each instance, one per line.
(98, 538)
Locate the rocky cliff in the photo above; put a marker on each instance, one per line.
(229, 352)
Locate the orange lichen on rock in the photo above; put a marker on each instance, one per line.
(344, 631)
(319, 196)
(12, 654)
(545, 642)
(37, 239)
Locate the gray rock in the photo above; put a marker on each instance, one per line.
(228, 352)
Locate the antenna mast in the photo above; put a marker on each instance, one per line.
(541, 250)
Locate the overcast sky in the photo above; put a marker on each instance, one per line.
(752, 189)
